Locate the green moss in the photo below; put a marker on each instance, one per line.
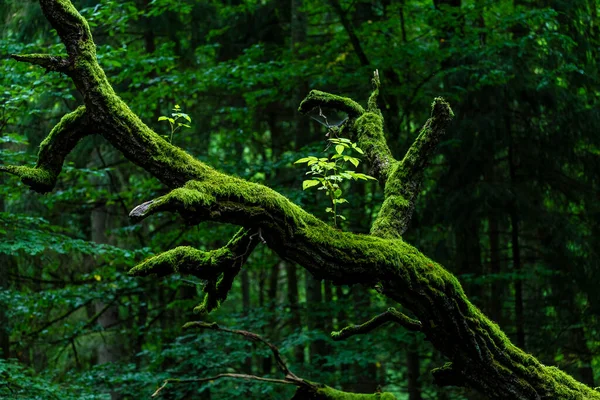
(185, 260)
(220, 187)
(368, 129)
(372, 103)
(441, 108)
(74, 19)
(317, 98)
(55, 137)
(51, 154)
(39, 179)
(334, 394)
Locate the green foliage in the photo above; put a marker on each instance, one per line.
(20, 383)
(328, 173)
(173, 120)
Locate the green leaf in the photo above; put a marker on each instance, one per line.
(354, 161)
(339, 149)
(302, 160)
(337, 193)
(162, 118)
(309, 183)
(359, 150)
(341, 217)
(365, 177)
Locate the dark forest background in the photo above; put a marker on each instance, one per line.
(511, 203)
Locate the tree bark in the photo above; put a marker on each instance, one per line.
(413, 368)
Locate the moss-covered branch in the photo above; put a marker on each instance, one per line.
(404, 181)
(188, 261)
(216, 292)
(401, 180)
(51, 63)
(53, 150)
(368, 130)
(316, 98)
(366, 127)
(480, 351)
(391, 315)
(219, 267)
(71, 27)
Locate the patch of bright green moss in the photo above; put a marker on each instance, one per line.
(318, 98)
(330, 393)
(186, 260)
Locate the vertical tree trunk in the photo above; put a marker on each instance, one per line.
(314, 318)
(574, 344)
(342, 321)
(109, 350)
(5, 263)
(413, 366)
(468, 256)
(515, 245)
(302, 137)
(517, 267)
(364, 378)
(272, 306)
(292, 297)
(584, 356)
(328, 301)
(247, 367)
(496, 289)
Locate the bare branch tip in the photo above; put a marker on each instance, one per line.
(376, 81)
(441, 108)
(47, 61)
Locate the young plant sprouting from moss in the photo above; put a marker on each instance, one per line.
(173, 120)
(328, 173)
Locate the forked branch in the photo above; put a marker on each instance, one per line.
(306, 389)
(49, 62)
(391, 315)
(58, 144)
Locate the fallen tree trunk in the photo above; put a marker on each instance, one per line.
(480, 354)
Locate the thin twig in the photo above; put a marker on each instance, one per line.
(251, 336)
(213, 378)
(391, 315)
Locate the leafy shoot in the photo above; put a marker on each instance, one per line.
(175, 120)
